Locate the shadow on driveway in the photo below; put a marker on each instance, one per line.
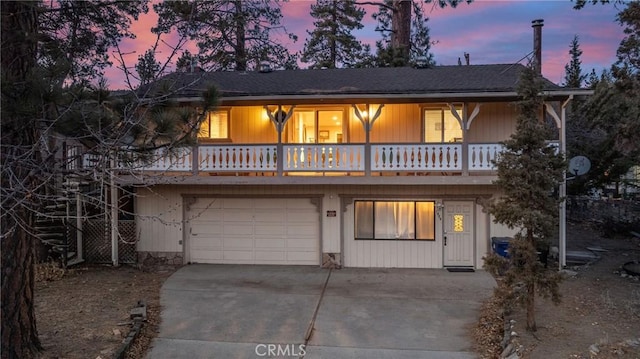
(240, 311)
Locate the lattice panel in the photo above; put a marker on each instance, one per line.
(97, 241)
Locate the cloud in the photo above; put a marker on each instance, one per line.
(491, 31)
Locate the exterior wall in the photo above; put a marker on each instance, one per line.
(160, 212)
(495, 122)
(159, 219)
(398, 123)
(500, 230)
(483, 239)
(393, 254)
(249, 124)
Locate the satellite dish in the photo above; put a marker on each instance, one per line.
(579, 165)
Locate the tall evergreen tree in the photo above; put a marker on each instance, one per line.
(148, 68)
(45, 94)
(77, 35)
(528, 172)
(231, 34)
(331, 43)
(573, 76)
(612, 114)
(405, 34)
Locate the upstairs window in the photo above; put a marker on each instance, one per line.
(441, 126)
(215, 126)
(321, 126)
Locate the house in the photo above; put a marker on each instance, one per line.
(374, 167)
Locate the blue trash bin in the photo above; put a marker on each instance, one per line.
(500, 246)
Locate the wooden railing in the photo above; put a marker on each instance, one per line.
(237, 158)
(481, 156)
(423, 157)
(416, 157)
(320, 158)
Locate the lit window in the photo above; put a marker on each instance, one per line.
(458, 223)
(215, 126)
(322, 126)
(440, 125)
(391, 220)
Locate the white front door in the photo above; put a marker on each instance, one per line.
(458, 234)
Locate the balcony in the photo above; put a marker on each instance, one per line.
(408, 163)
(321, 158)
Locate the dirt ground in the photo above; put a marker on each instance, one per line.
(84, 313)
(600, 309)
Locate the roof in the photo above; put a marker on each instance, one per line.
(355, 82)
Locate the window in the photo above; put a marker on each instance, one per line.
(395, 220)
(215, 126)
(441, 126)
(308, 126)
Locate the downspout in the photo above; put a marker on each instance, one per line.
(562, 247)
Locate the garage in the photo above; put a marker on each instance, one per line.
(253, 231)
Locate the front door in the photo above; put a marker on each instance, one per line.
(458, 234)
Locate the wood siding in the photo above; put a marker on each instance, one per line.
(495, 122)
(160, 214)
(398, 123)
(390, 253)
(249, 124)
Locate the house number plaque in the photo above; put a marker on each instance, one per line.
(331, 213)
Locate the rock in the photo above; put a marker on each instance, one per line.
(507, 351)
(594, 350)
(117, 332)
(514, 334)
(633, 342)
(514, 356)
(567, 273)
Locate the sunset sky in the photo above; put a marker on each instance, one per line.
(491, 31)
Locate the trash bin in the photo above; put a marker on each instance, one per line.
(500, 246)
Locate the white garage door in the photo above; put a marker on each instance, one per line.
(253, 231)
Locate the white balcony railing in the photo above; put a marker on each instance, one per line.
(436, 157)
(320, 158)
(177, 159)
(237, 158)
(416, 157)
(482, 155)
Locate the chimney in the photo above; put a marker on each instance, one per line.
(537, 44)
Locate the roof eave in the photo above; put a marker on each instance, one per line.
(389, 98)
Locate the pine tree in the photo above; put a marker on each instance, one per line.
(331, 43)
(148, 67)
(405, 34)
(528, 172)
(612, 114)
(573, 71)
(230, 34)
(47, 64)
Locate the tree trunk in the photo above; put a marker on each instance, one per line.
(241, 50)
(19, 331)
(401, 29)
(531, 306)
(19, 46)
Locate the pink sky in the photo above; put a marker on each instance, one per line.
(491, 31)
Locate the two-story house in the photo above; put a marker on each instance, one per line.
(376, 167)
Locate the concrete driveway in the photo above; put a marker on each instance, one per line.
(239, 311)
